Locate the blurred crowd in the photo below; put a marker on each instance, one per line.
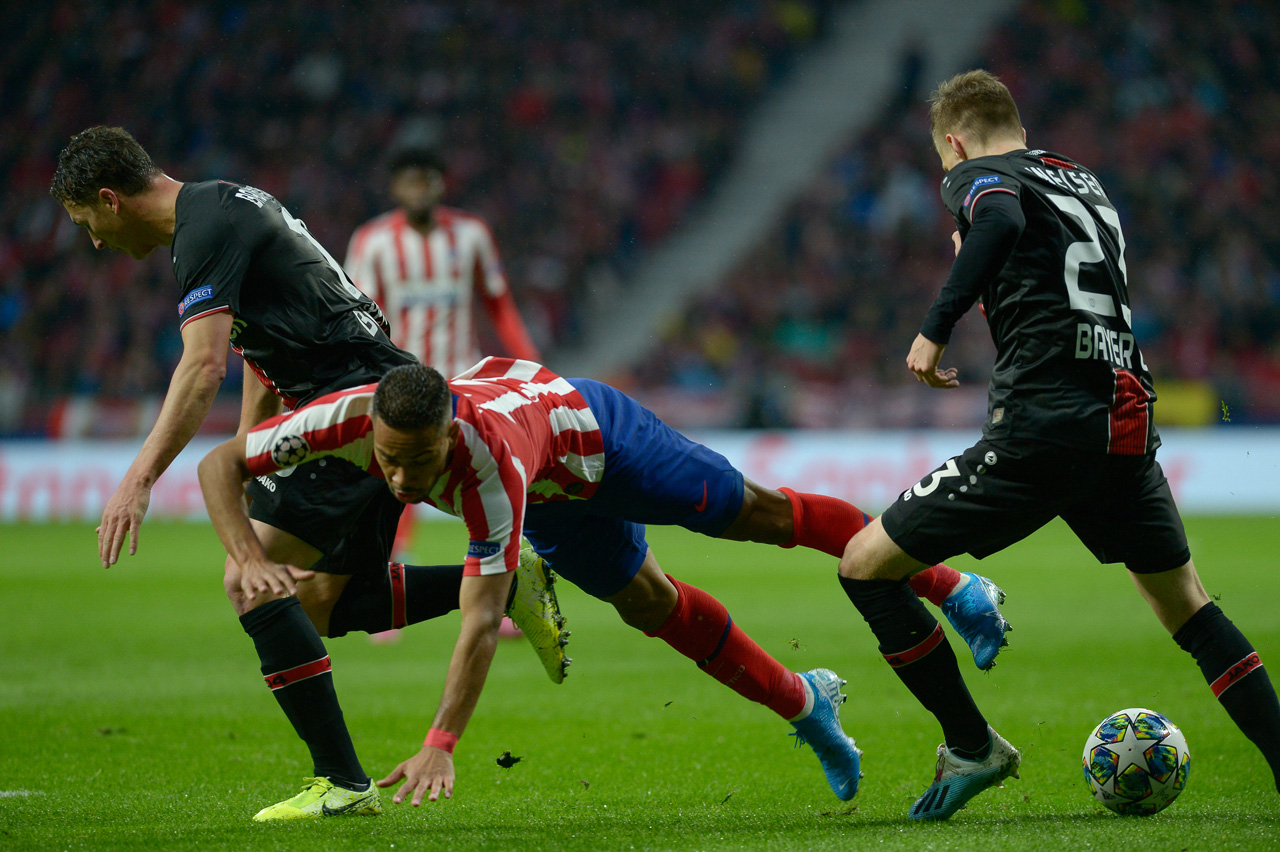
(1175, 104)
(583, 130)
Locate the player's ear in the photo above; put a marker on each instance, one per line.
(109, 198)
(957, 146)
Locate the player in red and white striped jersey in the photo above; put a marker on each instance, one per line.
(578, 468)
(427, 266)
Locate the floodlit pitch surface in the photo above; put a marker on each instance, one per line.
(134, 717)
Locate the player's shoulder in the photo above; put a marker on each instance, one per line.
(389, 220)
(995, 170)
(971, 178)
(461, 220)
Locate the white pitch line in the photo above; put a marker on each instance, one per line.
(9, 794)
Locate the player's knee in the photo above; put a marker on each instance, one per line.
(646, 605)
(318, 599)
(864, 555)
(766, 516)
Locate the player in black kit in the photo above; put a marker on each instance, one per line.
(1069, 433)
(252, 277)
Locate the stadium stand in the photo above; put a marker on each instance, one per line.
(1174, 104)
(582, 131)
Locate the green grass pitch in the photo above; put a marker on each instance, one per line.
(134, 717)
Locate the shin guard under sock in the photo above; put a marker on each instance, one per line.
(913, 642)
(401, 595)
(700, 628)
(299, 674)
(1237, 678)
(827, 523)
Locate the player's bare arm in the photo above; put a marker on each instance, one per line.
(223, 473)
(923, 360)
(430, 772)
(191, 391)
(257, 403)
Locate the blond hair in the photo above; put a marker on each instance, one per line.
(975, 103)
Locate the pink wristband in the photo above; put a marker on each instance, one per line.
(442, 740)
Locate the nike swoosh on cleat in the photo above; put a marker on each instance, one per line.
(703, 505)
(358, 803)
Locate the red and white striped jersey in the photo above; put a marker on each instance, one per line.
(428, 284)
(525, 436)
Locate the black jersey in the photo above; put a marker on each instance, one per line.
(300, 324)
(1068, 369)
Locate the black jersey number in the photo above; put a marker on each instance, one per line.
(1090, 251)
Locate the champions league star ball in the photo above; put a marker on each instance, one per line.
(289, 450)
(1136, 762)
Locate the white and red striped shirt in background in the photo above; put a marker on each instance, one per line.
(428, 284)
(525, 436)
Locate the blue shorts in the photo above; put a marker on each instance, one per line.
(652, 475)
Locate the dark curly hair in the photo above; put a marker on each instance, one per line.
(101, 157)
(412, 397)
(416, 157)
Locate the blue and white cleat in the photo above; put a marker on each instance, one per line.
(974, 612)
(839, 754)
(959, 780)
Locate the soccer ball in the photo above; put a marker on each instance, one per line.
(1136, 762)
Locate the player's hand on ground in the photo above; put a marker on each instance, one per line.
(923, 361)
(122, 516)
(428, 773)
(271, 578)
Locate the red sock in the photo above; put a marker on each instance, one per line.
(700, 628)
(827, 523)
(934, 584)
(404, 533)
(823, 523)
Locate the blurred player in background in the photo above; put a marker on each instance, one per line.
(1069, 434)
(579, 468)
(252, 277)
(427, 266)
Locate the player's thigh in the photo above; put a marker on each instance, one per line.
(1130, 516)
(979, 502)
(322, 503)
(655, 475)
(598, 554)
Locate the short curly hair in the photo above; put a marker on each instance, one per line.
(101, 157)
(412, 397)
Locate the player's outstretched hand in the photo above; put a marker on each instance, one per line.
(122, 516)
(428, 773)
(271, 578)
(923, 361)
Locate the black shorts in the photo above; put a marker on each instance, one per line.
(335, 507)
(996, 493)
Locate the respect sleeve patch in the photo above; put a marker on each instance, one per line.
(200, 294)
(484, 549)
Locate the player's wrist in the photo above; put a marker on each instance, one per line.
(442, 740)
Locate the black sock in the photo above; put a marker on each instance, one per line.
(398, 596)
(297, 669)
(1237, 678)
(913, 642)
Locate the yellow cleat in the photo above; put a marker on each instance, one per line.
(320, 797)
(534, 609)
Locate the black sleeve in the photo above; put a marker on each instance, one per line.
(996, 226)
